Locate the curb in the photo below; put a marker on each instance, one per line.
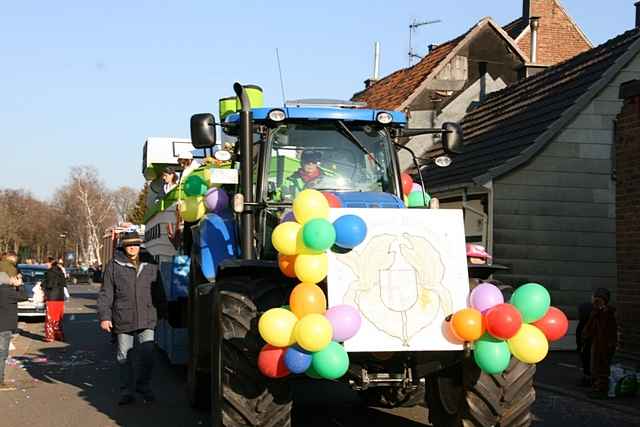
(580, 396)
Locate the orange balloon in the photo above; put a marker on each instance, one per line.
(287, 264)
(467, 324)
(307, 298)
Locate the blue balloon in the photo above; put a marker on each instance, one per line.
(297, 360)
(351, 230)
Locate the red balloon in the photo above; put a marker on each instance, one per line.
(503, 321)
(407, 183)
(271, 361)
(553, 325)
(333, 200)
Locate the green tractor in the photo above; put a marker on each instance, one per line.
(234, 274)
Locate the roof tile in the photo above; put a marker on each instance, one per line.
(509, 121)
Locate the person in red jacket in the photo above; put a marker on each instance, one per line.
(602, 330)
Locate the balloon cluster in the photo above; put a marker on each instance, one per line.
(305, 337)
(198, 198)
(498, 330)
(414, 196)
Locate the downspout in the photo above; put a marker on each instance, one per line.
(535, 24)
(246, 147)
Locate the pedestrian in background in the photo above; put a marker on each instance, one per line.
(602, 330)
(583, 344)
(11, 292)
(129, 303)
(54, 293)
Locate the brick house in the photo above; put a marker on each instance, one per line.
(537, 178)
(458, 74)
(627, 166)
(559, 37)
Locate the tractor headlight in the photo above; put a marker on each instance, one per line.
(276, 115)
(384, 118)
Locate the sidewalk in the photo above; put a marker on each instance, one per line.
(560, 372)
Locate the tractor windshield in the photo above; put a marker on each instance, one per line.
(323, 156)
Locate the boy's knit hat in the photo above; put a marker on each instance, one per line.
(602, 293)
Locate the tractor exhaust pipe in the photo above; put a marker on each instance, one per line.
(246, 151)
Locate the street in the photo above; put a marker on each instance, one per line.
(75, 384)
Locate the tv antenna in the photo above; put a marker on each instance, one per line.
(412, 28)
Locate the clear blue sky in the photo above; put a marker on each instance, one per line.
(84, 82)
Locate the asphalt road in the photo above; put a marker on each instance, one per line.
(75, 384)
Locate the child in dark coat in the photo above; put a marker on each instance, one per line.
(602, 330)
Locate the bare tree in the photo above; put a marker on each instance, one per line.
(88, 209)
(124, 200)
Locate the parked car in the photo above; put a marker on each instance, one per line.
(32, 276)
(80, 275)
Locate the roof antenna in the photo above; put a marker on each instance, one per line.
(412, 28)
(281, 81)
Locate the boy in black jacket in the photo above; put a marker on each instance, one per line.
(11, 292)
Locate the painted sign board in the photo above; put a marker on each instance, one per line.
(406, 276)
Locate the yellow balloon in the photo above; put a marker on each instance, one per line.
(311, 268)
(277, 327)
(310, 204)
(529, 345)
(192, 208)
(285, 238)
(313, 332)
(302, 248)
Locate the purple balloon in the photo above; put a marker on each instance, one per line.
(345, 320)
(485, 296)
(416, 187)
(288, 217)
(216, 200)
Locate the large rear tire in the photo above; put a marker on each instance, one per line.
(241, 395)
(476, 399)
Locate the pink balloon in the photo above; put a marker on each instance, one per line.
(216, 200)
(345, 320)
(485, 296)
(416, 187)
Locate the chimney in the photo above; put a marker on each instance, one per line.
(526, 9)
(376, 67)
(637, 14)
(433, 46)
(534, 23)
(376, 61)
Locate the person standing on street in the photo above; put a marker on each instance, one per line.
(602, 330)
(54, 285)
(129, 303)
(11, 292)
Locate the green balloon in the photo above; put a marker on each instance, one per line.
(195, 185)
(532, 301)
(331, 362)
(491, 354)
(312, 373)
(318, 234)
(417, 199)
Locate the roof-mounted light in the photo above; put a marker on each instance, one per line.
(384, 118)
(276, 115)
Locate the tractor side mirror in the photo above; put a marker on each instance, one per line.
(203, 130)
(452, 138)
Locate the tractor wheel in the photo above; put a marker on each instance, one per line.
(476, 399)
(241, 395)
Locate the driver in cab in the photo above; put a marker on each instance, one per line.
(308, 176)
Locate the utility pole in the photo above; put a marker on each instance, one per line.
(412, 27)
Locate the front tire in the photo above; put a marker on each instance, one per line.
(477, 399)
(241, 395)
